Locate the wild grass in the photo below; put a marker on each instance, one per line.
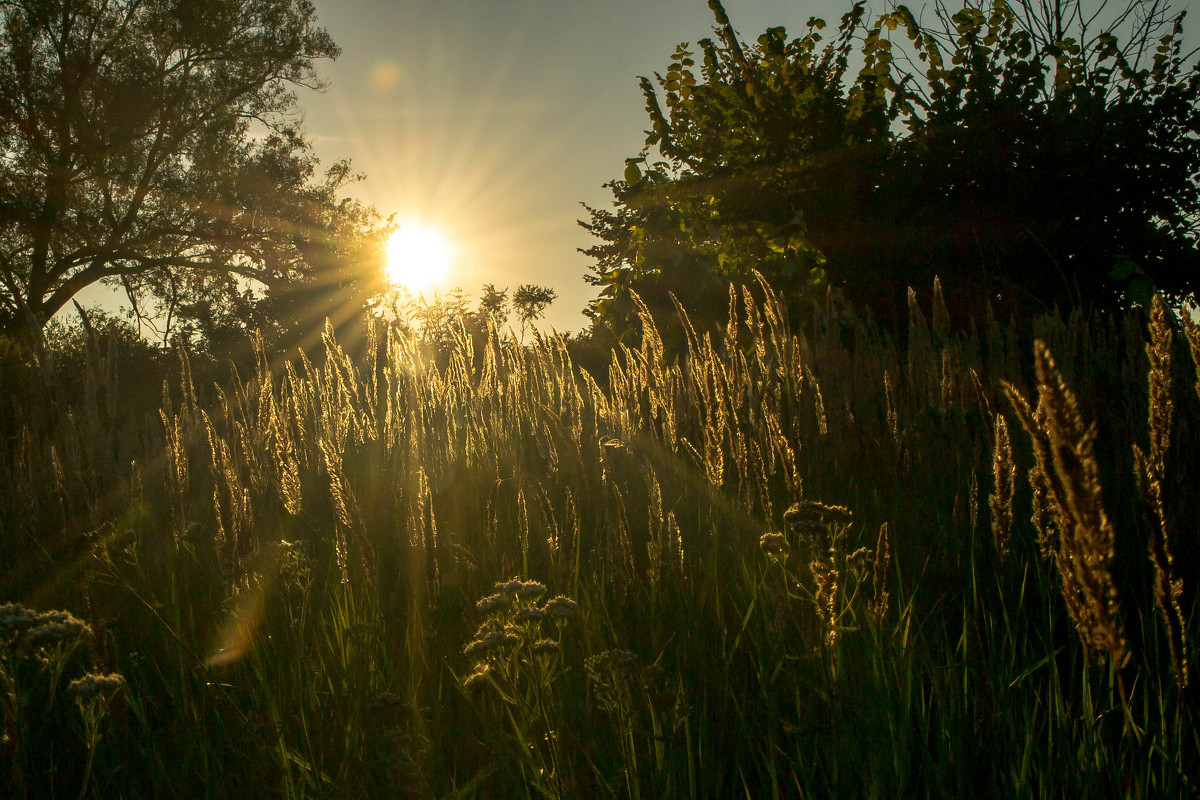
(802, 560)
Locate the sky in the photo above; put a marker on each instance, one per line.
(494, 119)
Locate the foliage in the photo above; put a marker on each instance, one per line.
(518, 659)
(1019, 147)
(285, 573)
(155, 145)
(37, 652)
(530, 301)
(443, 320)
(338, 275)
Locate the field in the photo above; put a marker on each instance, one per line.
(799, 559)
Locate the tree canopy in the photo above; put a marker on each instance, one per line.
(442, 319)
(154, 143)
(1024, 151)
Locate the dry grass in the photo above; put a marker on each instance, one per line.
(778, 530)
(1086, 536)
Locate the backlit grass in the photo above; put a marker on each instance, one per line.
(798, 560)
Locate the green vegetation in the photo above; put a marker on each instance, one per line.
(793, 561)
(869, 550)
(1044, 153)
(156, 146)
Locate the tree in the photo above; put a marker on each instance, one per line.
(530, 302)
(339, 273)
(153, 143)
(1020, 151)
(493, 306)
(442, 320)
(335, 273)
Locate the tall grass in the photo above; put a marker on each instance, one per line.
(801, 560)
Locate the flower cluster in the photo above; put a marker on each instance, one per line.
(809, 516)
(561, 607)
(610, 659)
(94, 685)
(477, 678)
(773, 543)
(609, 672)
(390, 702)
(837, 573)
(511, 631)
(39, 629)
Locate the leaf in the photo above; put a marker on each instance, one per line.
(1123, 269)
(1140, 291)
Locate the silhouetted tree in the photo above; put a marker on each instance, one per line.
(1022, 151)
(440, 321)
(153, 143)
(531, 301)
(493, 305)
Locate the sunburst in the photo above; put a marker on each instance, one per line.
(418, 257)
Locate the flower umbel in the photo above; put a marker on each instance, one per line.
(515, 657)
(96, 685)
(773, 543)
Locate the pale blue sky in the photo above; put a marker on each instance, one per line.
(494, 118)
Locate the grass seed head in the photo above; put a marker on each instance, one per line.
(825, 576)
(1004, 476)
(1085, 557)
(883, 557)
(463, 556)
(1046, 520)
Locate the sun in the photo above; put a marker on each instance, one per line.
(418, 256)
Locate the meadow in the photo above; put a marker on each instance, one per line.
(801, 558)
